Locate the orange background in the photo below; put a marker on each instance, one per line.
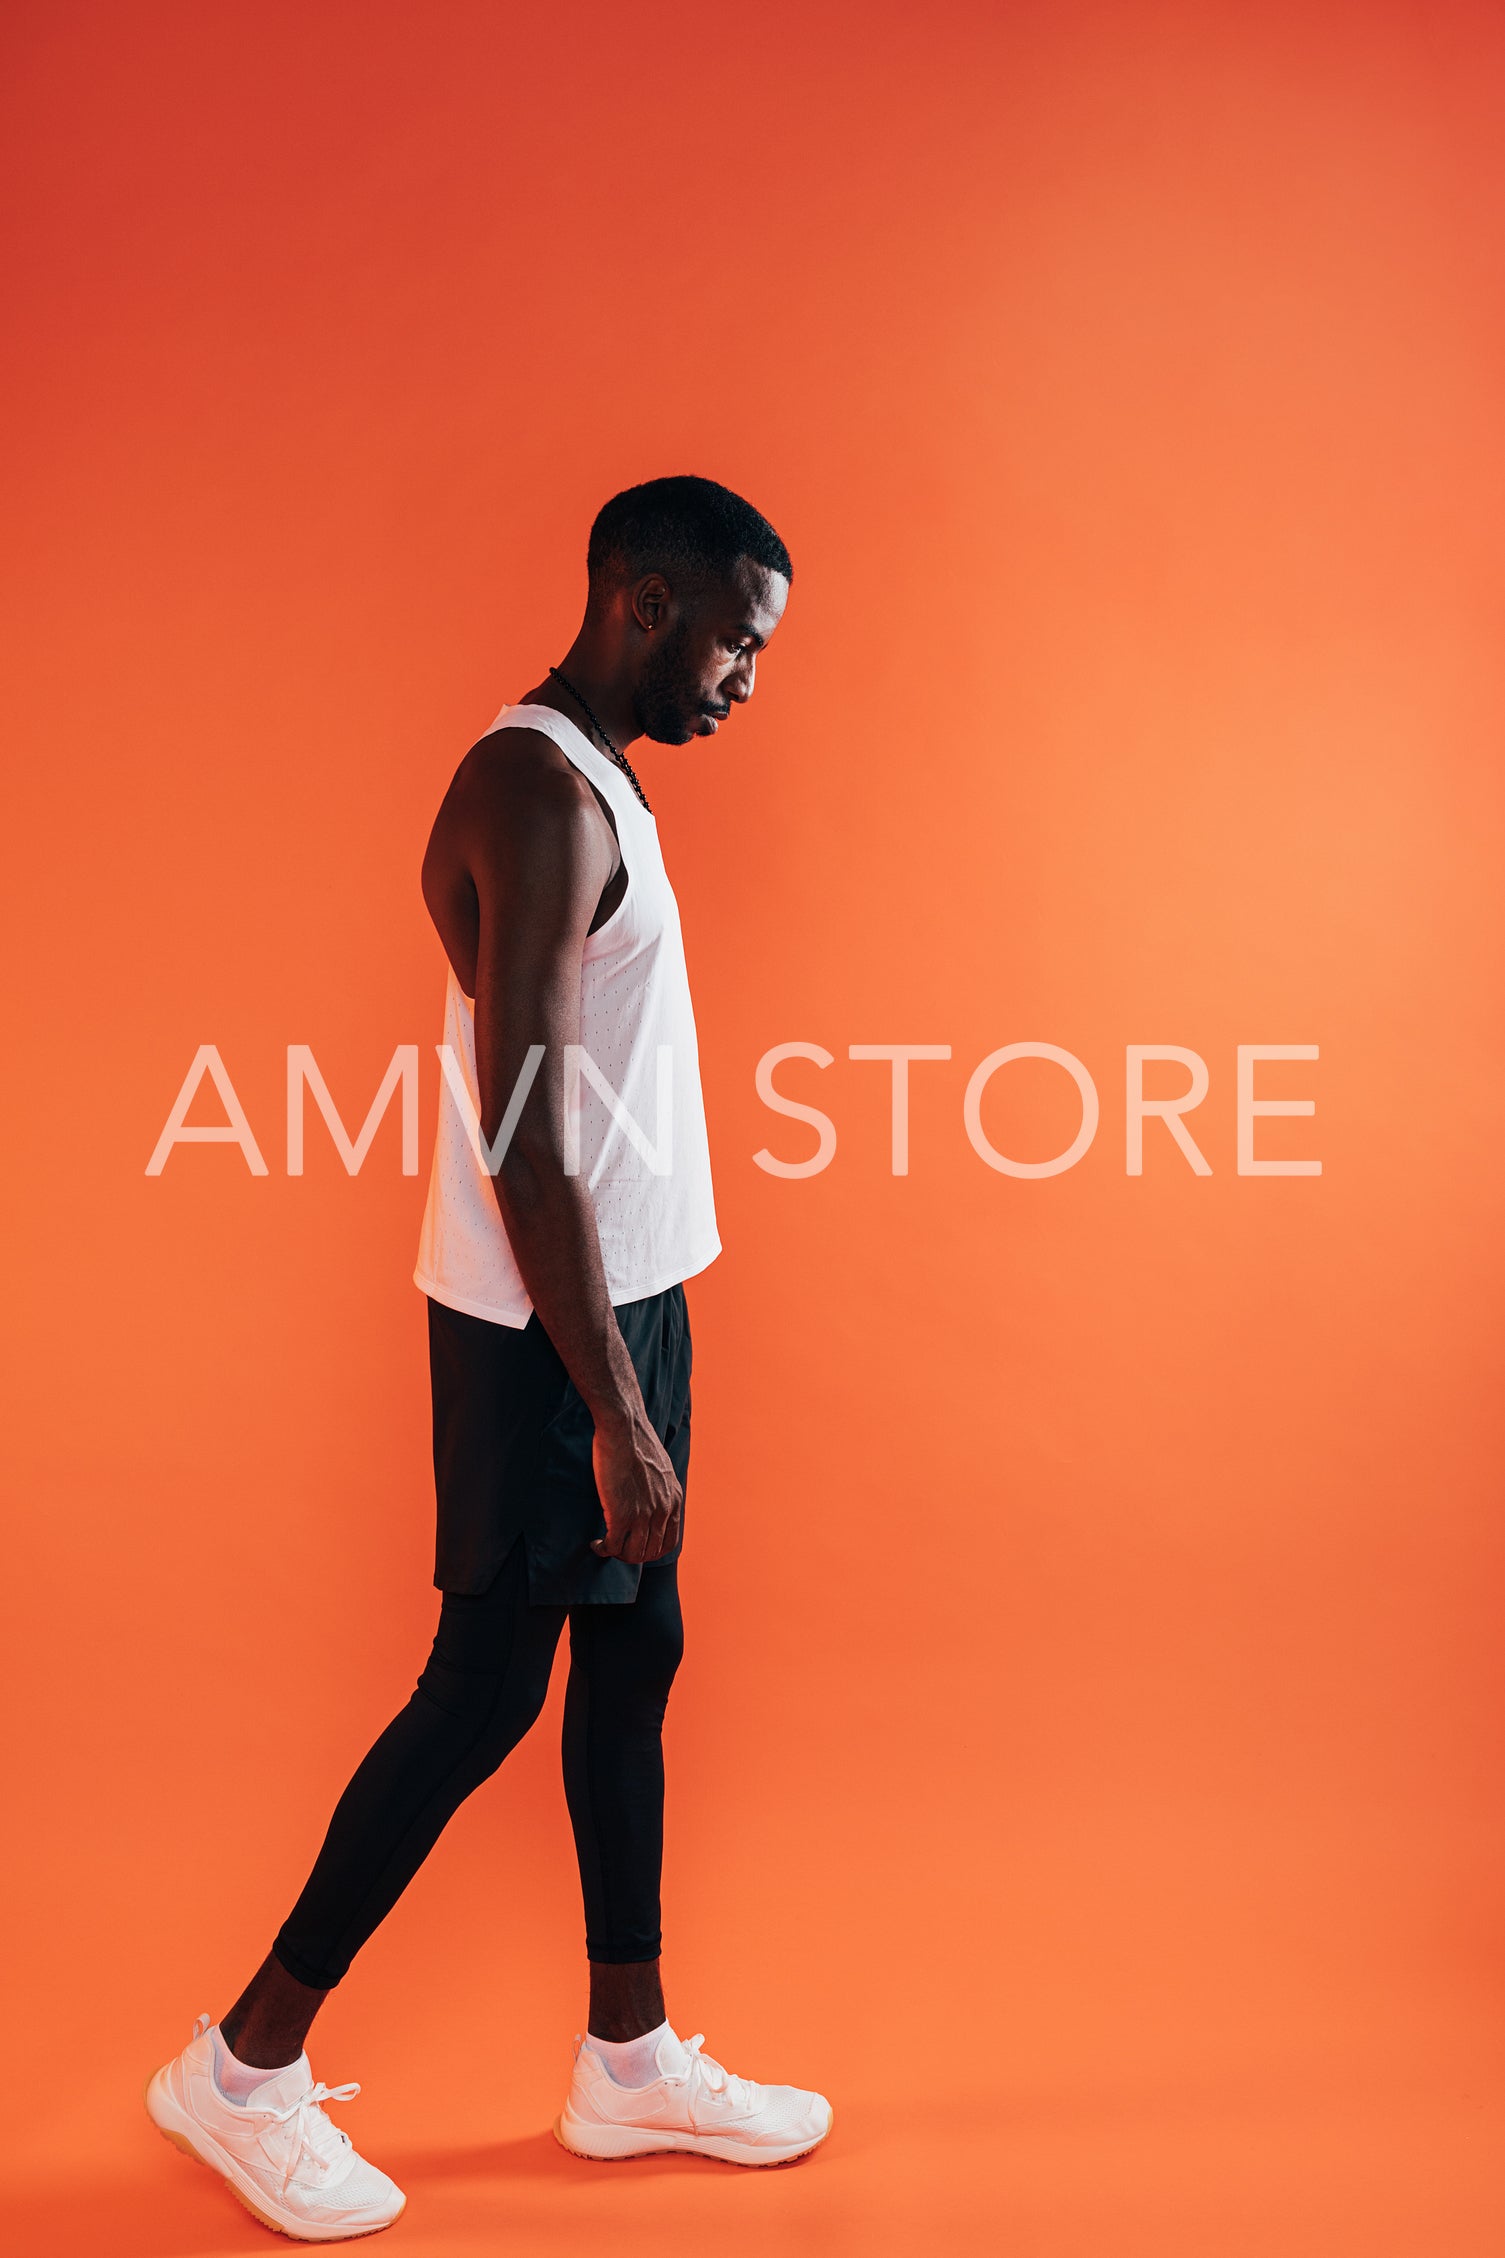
(1087, 1763)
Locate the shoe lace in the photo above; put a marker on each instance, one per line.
(313, 2134)
(704, 2074)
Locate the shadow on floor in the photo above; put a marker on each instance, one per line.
(172, 2208)
(538, 2157)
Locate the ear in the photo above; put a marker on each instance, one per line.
(651, 598)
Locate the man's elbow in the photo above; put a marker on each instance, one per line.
(531, 1170)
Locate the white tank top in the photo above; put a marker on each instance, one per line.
(649, 1174)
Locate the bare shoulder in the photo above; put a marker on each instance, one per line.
(516, 771)
(518, 814)
(515, 784)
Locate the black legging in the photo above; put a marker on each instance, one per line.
(481, 1689)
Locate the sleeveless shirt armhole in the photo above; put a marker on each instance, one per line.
(601, 931)
(601, 800)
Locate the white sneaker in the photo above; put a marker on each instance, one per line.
(694, 2105)
(291, 2168)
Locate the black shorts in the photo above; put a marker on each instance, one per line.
(512, 1448)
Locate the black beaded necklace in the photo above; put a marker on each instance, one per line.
(623, 763)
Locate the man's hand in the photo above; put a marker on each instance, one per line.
(639, 1491)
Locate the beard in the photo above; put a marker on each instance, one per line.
(668, 700)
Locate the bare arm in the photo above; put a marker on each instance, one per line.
(540, 853)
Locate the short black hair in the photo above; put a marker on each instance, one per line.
(680, 525)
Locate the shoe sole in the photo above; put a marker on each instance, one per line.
(621, 2144)
(185, 2133)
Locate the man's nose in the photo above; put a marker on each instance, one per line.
(740, 684)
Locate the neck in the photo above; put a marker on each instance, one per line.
(590, 670)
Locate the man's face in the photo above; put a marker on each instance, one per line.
(703, 660)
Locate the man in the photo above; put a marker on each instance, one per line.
(570, 1199)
